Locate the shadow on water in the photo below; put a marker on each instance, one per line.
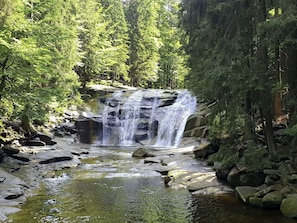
(112, 189)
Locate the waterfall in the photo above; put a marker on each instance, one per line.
(147, 117)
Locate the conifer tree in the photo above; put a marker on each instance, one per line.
(144, 41)
(118, 35)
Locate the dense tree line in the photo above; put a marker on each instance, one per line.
(243, 55)
(239, 53)
(51, 48)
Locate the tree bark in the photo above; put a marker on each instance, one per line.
(265, 92)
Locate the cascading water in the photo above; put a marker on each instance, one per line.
(148, 117)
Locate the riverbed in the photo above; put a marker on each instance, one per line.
(111, 186)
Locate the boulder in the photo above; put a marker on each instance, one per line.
(222, 173)
(89, 129)
(204, 150)
(234, 177)
(272, 200)
(288, 206)
(237, 177)
(245, 192)
(254, 179)
(141, 153)
(194, 121)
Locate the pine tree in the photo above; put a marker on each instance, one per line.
(172, 67)
(93, 42)
(118, 35)
(144, 41)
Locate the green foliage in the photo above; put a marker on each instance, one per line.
(172, 63)
(226, 155)
(237, 52)
(38, 48)
(141, 16)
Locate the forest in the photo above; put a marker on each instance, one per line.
(240, 54)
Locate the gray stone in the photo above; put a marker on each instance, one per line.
(194, 121)
(245, 192)
(266, 190)
(234, 177)
(141, 153)
(288, 206)
(197, 132)
(272, 200)
(53, 156)
(253, 179)
(204, 150)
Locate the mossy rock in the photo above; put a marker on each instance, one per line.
(288, 206)
(272, 200)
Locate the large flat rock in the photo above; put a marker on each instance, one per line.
(245, 192)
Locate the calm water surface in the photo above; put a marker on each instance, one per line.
(116, 188)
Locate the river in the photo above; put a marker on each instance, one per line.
(113, 187)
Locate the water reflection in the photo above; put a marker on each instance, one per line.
(115, 188)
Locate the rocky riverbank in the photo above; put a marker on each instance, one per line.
(247, 166)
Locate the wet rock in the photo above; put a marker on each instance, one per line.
(89, 129)
(14, 196)
(35, 142)
(152, 160)
(203, 182)
(56, 159)
(245, 192)
(288, 206)
(54, 156)
(10, 150)
(141, 153)
(5, 211)
(45, 138)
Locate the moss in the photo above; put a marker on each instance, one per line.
(226, 155)
(256, 158)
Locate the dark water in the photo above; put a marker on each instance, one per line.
(115, 188)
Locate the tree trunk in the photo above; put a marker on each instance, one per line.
(265, 93)
(248, 123)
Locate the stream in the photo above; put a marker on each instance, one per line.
(113, 187)
(110, 186)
